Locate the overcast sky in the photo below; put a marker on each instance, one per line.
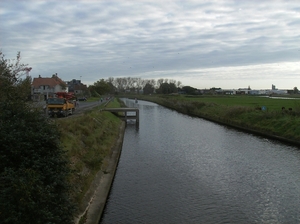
(203, 44)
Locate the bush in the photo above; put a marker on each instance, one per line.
(33, 168)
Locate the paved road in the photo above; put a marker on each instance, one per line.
(84, 105)
(80, 108)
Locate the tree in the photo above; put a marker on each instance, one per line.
(178, 84)
(173, 88)
(159, 82)
(139, 84)
(112, 89)
(296, 91)
(164, 88)
(189, 90)
(101, 87)
(148, 89)
(93, 91)
(12, 86)
(120, 84)
(33, 167)
(110, 82)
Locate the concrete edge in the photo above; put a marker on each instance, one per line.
(100, 188)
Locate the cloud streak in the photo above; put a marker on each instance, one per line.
(229, 40)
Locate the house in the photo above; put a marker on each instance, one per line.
(76, 87)
(42, 88)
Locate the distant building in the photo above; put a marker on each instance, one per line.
(246, 91)
(42, 88)
(243, 91)
(254, 92)
(76, 87)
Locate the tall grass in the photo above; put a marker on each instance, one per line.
(88, 139)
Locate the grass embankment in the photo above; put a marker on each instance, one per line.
(88, 140)
(241, 112)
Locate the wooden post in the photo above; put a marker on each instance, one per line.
(137, 114)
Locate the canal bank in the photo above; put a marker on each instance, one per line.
(100, 188)
(189, 170)
(280, 125)
(92, 206)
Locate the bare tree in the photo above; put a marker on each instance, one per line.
(178, 84)
(119, 84)
(110, 80)
(139, 84)
(159, 82)
(172, 81)
(152, 82)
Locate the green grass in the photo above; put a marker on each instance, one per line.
(115, 103)
(240, 111)
(232, 100)
(93, 99)
(88, 139)
(251, 101)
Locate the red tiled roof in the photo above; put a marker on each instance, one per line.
(51, 82)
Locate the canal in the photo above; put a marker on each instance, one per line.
(179, 169)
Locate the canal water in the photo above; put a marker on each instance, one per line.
(179, 169)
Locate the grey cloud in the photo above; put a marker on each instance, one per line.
(101, 39)
(295, 23)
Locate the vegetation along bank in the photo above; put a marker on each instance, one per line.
(88, 140)
(49, 167)
(271, 117)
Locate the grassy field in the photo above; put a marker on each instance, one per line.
(273, 103)
(242, 112)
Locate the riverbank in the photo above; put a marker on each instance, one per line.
(283, 125)
(93, 142)
(180, 169)
(101, 185)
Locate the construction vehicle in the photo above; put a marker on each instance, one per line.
(61, 105)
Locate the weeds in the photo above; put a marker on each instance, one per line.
(88, 139)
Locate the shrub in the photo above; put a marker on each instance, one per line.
(33, 168)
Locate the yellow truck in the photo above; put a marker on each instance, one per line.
(62, 105)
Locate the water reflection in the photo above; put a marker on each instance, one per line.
(178, 169)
